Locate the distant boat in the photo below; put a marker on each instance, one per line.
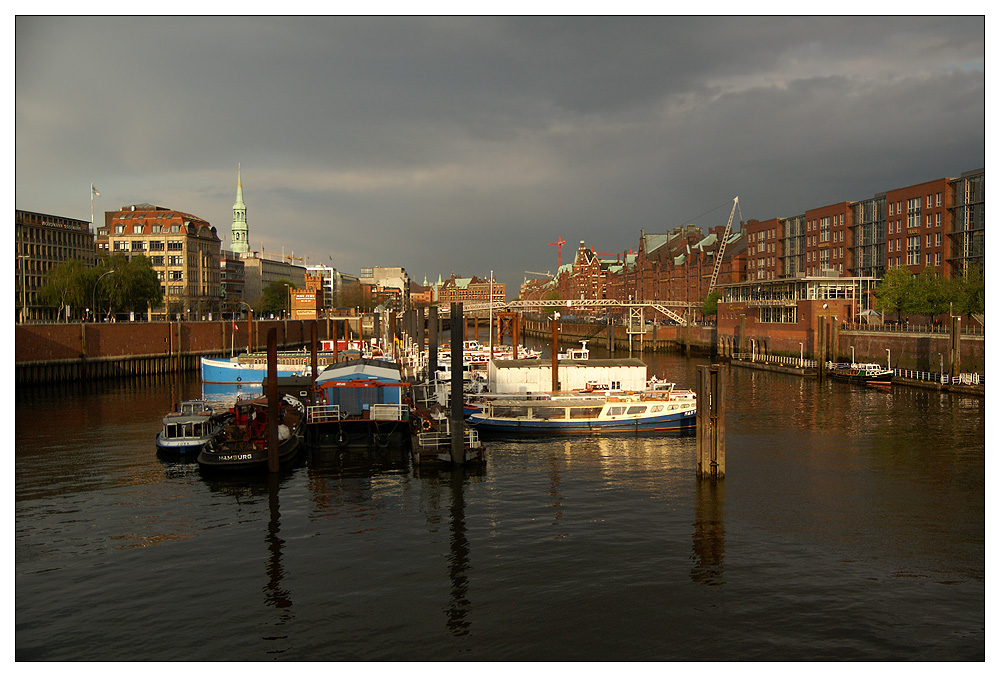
(581, 413)
(251, 368)
(189, 429)
(868, 374)
(243, 443)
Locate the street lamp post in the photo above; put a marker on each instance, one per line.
(24, 291)
(801, 354)
(94, 299)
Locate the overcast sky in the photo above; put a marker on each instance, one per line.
(466, 145)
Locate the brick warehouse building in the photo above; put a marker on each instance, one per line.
(937, 224)
(184, 251)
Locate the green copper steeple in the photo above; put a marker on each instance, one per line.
(240, 232)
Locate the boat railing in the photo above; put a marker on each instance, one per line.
(323, 413)
(436, 439)
(783, 360)
(387, 412)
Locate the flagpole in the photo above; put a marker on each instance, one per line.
(93, 192)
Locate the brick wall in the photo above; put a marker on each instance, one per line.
(48, 342)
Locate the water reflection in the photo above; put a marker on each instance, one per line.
(709, 538)
(458, 561)
(275, 595)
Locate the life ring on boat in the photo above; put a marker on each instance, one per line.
(426, 425)
(239, 378)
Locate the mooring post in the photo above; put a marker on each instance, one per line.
(273, 404)
(421, 332)
(555, 353)
(710, 442)
(457, 396)
(432, 339)
(516, 332)
(955, 366)
(314, 364)
(718, 460)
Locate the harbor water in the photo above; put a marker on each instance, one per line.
(850, 526)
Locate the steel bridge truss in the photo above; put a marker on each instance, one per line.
(635, 308)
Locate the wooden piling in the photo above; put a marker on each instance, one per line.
(516, 333)
(955, 357)
(710, 429)
(432, 339)
(314, 364)
(273, 403)
(457, 394)
(555, 354)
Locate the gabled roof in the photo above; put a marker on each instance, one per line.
(655, 241)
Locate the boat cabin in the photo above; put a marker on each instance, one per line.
(526, 376)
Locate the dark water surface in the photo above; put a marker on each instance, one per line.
(850, 526)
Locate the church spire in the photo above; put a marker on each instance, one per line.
(240, 231)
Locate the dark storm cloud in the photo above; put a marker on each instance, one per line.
(466, 144)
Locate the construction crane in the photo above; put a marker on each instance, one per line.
(531, 272)
(559, 243)
(722, 244)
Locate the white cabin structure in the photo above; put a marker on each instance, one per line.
(532, 376)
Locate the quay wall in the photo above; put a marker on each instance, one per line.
(908, 350)
(45, 353)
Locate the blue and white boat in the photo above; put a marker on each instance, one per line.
(189, 429)
(251, 368)
(576, 413)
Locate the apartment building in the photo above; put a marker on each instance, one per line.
(460, 289)
(260, 270)
(41, 242)
(184, 250)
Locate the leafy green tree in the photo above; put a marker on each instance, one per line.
(274, 298)
(969, 293)
(711, 304)
(895, 292)
(127, 285)
(932, 294)
(66, 285)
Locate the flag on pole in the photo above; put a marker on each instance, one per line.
(96, 192)
(235, 327)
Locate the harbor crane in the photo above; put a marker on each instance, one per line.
(531, 272)
(559, 243)
(722, 243)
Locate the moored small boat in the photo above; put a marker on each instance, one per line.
(573, 413)
(242, 445)
(868, 373)
(189, 429)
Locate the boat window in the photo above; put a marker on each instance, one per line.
(637, 410)
(550, 412)
(616, 411)
(584, 412)
(656, 408)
